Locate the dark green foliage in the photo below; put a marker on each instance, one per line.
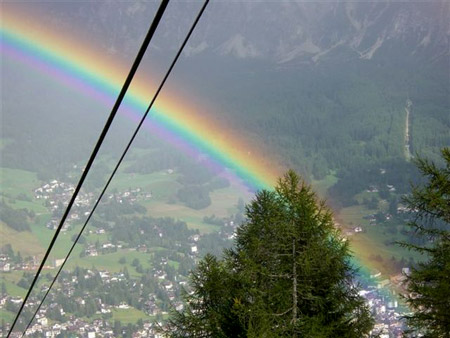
(353, 181)
(112, 210)
(210, 312)
(214, 244)
(289, 275)
(333, 117)
(153, 232)
(213, 220)
(428, 284)
(16, 219)
(195, 173)
(26, 280)
(81, 240)
(194, 196)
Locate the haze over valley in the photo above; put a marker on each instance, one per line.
(347, 94)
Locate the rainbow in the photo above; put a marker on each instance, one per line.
(86, 69)
(194, 130)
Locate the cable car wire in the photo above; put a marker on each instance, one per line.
(121, 158)
(94, 153)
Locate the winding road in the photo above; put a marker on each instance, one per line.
(407, 136)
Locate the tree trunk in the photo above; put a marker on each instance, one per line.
(294, 287)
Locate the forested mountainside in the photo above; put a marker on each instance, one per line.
(286, 79)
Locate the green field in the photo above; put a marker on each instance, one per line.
(224, 204)
(26, 242)
(375, 240)
(7, 316)
(10, 279)
(14, 182)
(130, 315)
(36, 206)
(44, 235)
(321, 186)
(161, 184)
(174, 264)
(110, 261)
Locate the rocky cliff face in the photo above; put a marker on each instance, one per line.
(289, 31)
(281, 32)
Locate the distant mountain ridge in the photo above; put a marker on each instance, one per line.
(281, 32)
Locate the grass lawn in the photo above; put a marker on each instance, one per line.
(93, 237)
(23, 241)
(193, 218)
(7, 316)
(10, 280)
(36, 205)
(224, 201)
(130, 315)
(353, 216)
(110, 261)
(12, 276)
(194, 222)
(14, 182)
(44, 236)
(174, 264)
(321, 186)
(223, 204)
(161, 184)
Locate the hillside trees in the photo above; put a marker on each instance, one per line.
(428, 285)
(288, 275)
(16, 219)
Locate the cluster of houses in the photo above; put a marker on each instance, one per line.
(93, 250)
(7, 264)
(57, 194)
(81, 328)
(130, 196)
(152, 305)
(374, 188)
(383, 302)
(381, 217)
(45, 327)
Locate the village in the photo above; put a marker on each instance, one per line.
(57, 194)
(94, 313)
(382, 302)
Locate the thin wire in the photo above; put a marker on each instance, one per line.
(108, 123)
(121, 159)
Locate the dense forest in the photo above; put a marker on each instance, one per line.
(329, 118)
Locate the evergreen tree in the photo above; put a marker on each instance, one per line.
(428, 284)
(288, 275)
